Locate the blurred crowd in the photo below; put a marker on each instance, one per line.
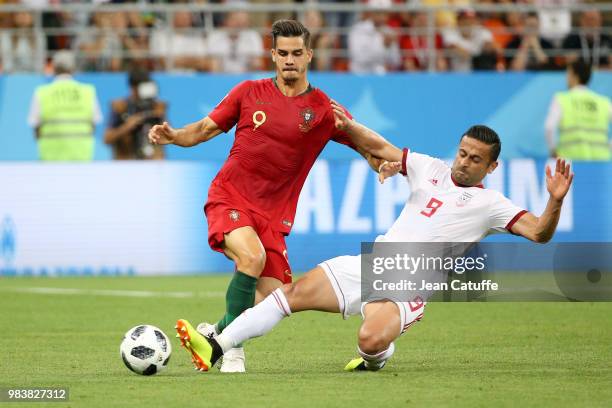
(376, 40)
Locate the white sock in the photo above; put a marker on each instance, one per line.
(377, 360)
(256, 321)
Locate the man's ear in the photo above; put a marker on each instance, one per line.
(492, 167)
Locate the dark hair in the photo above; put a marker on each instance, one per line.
(582, 70)
(137, 76)
(290, 28)
(532, 14)
(486, 135)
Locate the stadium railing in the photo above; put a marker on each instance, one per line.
(79, 23)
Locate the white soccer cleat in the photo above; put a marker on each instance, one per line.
(233, 361)
(207, 330)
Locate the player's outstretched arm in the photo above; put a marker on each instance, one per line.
(190, 135)
(365, 138)
(541, 229)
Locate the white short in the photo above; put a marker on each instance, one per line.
(344, 273)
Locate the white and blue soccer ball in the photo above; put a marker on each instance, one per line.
(145, 349)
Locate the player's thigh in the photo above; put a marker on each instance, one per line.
(313, 291)
(382, 322)
(277, 261)
(265, 286)
(244, 247)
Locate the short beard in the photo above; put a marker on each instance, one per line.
(289, 81)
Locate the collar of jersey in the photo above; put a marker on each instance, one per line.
(463, 185)
(309, 89)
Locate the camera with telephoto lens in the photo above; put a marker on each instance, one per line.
(145, 104)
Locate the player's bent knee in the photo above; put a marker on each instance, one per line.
(372, 342)
(297, 295)
(292, 292)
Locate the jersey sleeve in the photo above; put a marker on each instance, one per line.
(415, 165)
(342, 137)
(227, 112)
(503, 213)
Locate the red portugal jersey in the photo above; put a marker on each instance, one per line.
(278, 139)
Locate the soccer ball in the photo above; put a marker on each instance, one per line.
(145, 349)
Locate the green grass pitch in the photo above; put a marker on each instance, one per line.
(461, 354)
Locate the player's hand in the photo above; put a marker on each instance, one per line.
(342, 122)
(558, 184)
(388, 169)
(162, 134)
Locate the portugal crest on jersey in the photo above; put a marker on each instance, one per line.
(307, 117)
(234, 215)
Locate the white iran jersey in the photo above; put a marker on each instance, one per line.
(439, 210)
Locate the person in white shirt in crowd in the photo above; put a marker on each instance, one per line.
(236, 47)
(555, 19)
(22, 48)
(468, 41)
(179, 46)
(373, 45)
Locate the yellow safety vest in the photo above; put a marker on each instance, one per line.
(66, 131)
(583, 132)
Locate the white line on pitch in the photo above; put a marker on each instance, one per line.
(108, 292)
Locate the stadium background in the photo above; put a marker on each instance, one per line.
(88, 223)
(146, 218)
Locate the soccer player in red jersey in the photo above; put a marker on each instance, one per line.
(282, 124)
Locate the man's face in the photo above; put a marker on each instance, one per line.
(238, 20)
(291, 58)
(472, 162)
(591, 19)
(379, 18)
(182, 19)
(466, 24)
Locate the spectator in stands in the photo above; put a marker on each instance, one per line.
(135, 38)
(529, 51)
(582, 118)
(235, 48)
(23, 49)
(372, 45)
(65, 24)
(445, 17)
(471, 45)
(590, 44)
(340, 21)
(497, 23)
(180, 46)
(555, 19)
(415, 46)
(6, 18)
(64, 113)
(132, 117)
(100, 47)
(261, 20)
(321, 41)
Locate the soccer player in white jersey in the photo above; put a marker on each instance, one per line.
(447, 204)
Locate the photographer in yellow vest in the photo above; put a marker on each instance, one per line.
(64, 114)
(581, 117)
